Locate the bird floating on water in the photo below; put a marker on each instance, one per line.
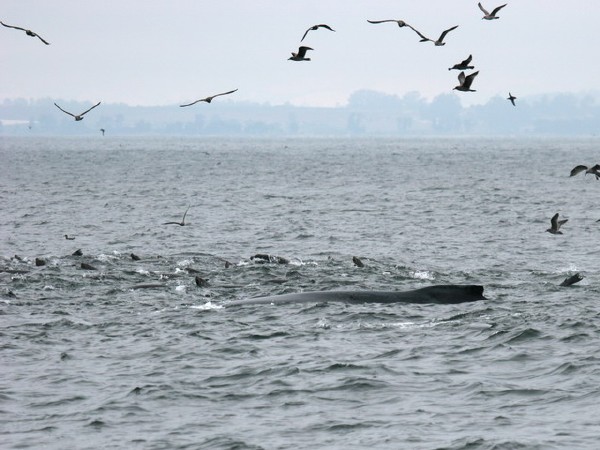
(27, 32)
(209, 98)
(440, 41)
(555, 224)
(182, 223)
(78, 116)
(301, 55)
(465, 82)
(69, 238)
(595, 170)
(316, 27)
(492, 15)
(463, 65)
(512, 98)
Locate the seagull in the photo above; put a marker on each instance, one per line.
(79, 116)
(440, 40)
(28, 32)
(401, 23)
(464, 65)
(69, 238)
(316, 27)
(465, 82)
(103, 131)
(492, 15)
(512, 98)
(208, 99)
(555, 224)
(595, 170)
(182, 223)
(300, 56)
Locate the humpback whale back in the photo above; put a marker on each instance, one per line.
(442, 294)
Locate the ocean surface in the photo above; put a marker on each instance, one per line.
(90, 360)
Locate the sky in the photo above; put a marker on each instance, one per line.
(162, 52)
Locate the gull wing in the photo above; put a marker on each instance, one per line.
(467, 61)
(12, 26)
(461, 78)
(302, 51)
(193, 103)
(498, 8)
(184, 214)
(469, 79)
(382, 21)
(554, 222)
(423, 38)
(40, 38)
(305, 33)
(577, 169)
(322, 25)
(445, 32)
(483, 9)
(85, 112)
(66, 112)
(224, 93)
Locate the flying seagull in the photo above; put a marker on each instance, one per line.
(440, 41)
(595, 170)
(182, 223)
(512, 98)
(316, 27)
(555, 224)
(103, 131)
(464, 65)
(209, 99)
(79, 116)
(492, 15)
(465, 82)
(27, 32)
(401, 23)
(300, 56)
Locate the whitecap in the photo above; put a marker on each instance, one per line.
(422, 275)
(207, 306)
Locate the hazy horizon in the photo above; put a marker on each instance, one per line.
(146, 54)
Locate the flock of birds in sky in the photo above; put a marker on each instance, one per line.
(465, 82)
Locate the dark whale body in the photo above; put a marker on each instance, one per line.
(443, 294)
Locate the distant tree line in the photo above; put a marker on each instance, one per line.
(367, 113)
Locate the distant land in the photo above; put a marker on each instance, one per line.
(367, 113)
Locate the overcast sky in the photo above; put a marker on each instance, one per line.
(151, 52)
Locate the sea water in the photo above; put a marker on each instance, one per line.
(90, 361)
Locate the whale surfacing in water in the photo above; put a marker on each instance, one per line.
(442, 294)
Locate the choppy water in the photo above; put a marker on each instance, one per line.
(88, 362)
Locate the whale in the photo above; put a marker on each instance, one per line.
(439, 294)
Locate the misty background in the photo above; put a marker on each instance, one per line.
(142, 59)
(366, 113)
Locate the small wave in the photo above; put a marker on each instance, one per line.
(208, 306)
(422, 275)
